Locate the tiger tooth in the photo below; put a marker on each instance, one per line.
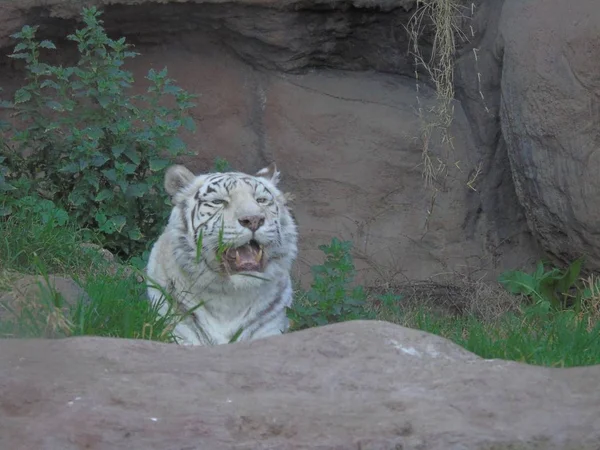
(259, 255)
(238, 260)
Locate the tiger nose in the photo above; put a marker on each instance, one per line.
(253, 223)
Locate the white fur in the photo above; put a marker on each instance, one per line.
(230, 302)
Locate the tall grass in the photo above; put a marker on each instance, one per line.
(26, 242)
(559, 339)
(117, 307)
(111, 301)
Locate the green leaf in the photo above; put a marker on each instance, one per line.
(137, 190)
(100, 218)
(123, 185)
(517, 282)
(539, 272)
(56, 106)
(138, 262)
(236, 335)
(135, 234)
(133, 156)
(107, 227)
(99, 160)
(117, 150)
(55, 215)
(547, 291)
(39, 69)
(20, 46)
(77, 199)
(122, 126)
(129, 169)
(83, 164)
(104, 100)
(22, 96)
(199, 246)
(70, 168)
(175, 145)
(158, 164)
(119, 222)
(171, 89)
(110, 174)
(569, 278)
(92, 179)
(19, 55)
(50, 83)
(69, 104)
(6, 187)
(104, 194)
(47, 44)
(189, 123)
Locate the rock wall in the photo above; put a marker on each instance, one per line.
(551, 120)
(327, 90)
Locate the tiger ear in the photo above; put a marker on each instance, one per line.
(270, 173)
(176, 178)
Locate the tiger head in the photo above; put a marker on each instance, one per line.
(233, 223)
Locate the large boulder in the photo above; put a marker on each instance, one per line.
(550, 51)
(365, 385)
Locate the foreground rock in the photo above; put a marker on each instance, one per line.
(551, 120)
(365, 385)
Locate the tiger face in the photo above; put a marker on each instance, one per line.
(233, 223)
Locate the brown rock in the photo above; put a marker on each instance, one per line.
(551, 120)
(113, 267)
(369, 385)
(47, 302)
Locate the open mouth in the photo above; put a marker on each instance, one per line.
(247, 258)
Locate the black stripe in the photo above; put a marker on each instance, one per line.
(183, 245)
(265, 312)
(193, 214)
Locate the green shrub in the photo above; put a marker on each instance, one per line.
(553, 289)
(222, 165)
(331, 299)
(84, 141)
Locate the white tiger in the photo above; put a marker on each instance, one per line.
(230, 243)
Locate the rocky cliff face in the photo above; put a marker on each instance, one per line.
(551, 120)
(327, 90)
